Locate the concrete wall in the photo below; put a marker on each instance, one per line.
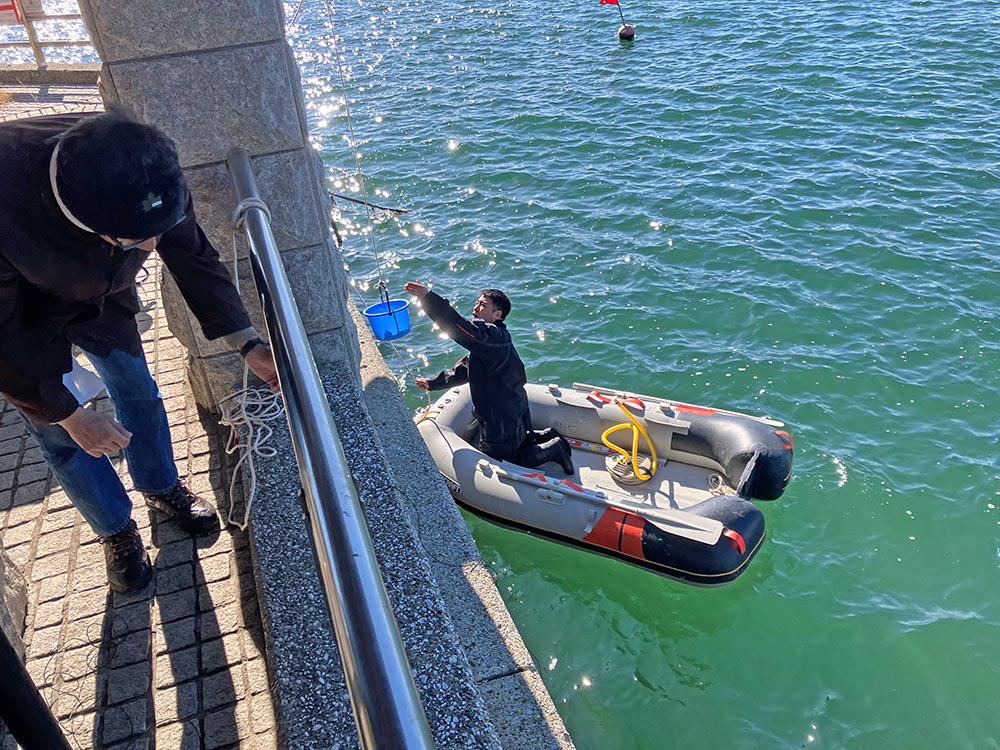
(224, 76)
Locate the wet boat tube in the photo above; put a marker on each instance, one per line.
(658, 483)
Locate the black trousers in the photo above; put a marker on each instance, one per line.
(520, 452)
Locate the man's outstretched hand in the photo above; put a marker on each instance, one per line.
(422, 384)
(417, 289)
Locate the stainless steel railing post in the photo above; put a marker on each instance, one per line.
(384, 697)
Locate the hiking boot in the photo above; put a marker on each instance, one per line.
(556, 450)
(194, 514)
(127, 561)
(565, 459)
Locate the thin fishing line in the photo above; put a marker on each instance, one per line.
(354, 143)
(361, 179)
(295, 17)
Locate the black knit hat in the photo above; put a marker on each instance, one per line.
(120, 177)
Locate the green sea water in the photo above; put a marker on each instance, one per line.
(784, 208)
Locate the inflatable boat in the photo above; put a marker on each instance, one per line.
(659, 483)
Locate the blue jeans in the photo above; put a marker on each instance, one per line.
(92, 484)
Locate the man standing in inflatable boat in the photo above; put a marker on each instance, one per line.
(495, 374)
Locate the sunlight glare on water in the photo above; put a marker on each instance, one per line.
(782, 208)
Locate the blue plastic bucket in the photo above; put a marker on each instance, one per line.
(390, 321)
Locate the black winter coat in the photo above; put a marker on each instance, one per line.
(61, 285)
(494, 372)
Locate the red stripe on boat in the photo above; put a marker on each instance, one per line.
(570, 484)
(632, 536)
(785, 438)
(694, 409)
(634, 402)
(538, 476)
(599, 397)
(607, 530)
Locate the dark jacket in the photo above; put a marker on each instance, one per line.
(494, 372)
(60, 285)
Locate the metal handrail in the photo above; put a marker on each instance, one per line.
(386, 706)
(37, 46)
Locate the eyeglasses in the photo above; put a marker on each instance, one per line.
(133, 245)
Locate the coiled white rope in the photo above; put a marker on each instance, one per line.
(248, 409)
(717, 485)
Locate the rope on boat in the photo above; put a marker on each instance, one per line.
(717, 485)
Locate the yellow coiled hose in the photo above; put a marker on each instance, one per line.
(636, 429)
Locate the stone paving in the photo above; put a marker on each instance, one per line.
(179, 665)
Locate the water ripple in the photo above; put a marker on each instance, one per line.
(784, 208)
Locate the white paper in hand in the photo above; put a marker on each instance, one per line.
(82, 383)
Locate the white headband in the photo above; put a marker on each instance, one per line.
(55, 192)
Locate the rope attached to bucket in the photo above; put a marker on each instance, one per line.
(381, 285)
(354, 143)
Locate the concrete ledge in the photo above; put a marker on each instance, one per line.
(518, 702)
(309, 690)
(476, 679)
(29, 74)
